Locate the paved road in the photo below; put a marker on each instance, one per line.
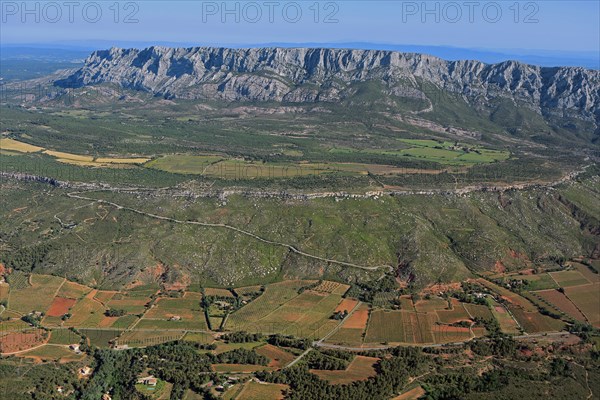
(383, 347)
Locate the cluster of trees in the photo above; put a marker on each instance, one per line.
(114, 312)
(114, 371)
(456, 385)
(39, 381)
(499, 345)
(340, 315)
(318, 360)
(177, 362)
(310, 287)
(33, 319)
(242, 337)
(289, 341)
(393, 373)
(180, 364)
(366, 291)
(585, 331)
(491, 325)
(174, 294)
(26, 258)
(240, 356)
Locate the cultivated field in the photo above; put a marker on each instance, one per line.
(279, 357)
(15, 145)
(52, 352)
(306, 315)
(217, 292)
(260, 391)
(587, 272)
(478, 310)
(131, 304)
(347, 304)
(22, 340)
(86, 313)
(100, 337)
(400, 327)
(104, 296)
(433, 304)
(456, 314)
(587, 299)
(507, 323)
(450, 334)
(148, 338)
(72, 290)
(412, 394)
(534, 322)
(4, 291)
(247, 290)
(562, 303)
(68, 158)
(569, 278)
(60, 306)
(332, 287)
(38, 296)
(165, 308)
(353, 328)
(64, 337)
(360, 369)
(274, 297)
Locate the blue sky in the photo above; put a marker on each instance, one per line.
(542, 25)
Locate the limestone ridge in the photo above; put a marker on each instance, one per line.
(303, 75)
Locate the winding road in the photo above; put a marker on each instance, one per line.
(77, 195)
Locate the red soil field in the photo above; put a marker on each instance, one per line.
(358, 319)
(107, 322)
(60, 306)
(279, 358)
(20, 341)
(560, 301)
(346, 304)
(587, 299)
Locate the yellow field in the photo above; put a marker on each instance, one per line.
(122, 160)
(69, 158)
(14, 145)
(79, 163)
(4, 289)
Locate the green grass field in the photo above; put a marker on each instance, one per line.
(569, 278)
(53, 353)
(64, 336)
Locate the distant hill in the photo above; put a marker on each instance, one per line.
(563, 98)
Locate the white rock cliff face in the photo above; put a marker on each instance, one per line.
(312, 75)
